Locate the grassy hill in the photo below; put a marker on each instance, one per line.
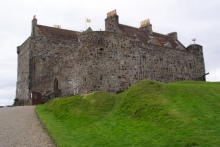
(149, 113)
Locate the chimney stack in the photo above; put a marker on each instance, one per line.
(112, 22)
(145, 25)
(173, 35)
(34, 26)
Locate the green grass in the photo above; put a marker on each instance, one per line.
(150, 113)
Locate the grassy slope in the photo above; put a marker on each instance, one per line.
(147, 114)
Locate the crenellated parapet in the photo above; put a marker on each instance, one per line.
(195, 48)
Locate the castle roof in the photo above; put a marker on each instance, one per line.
(134, 31)
(163, 39)
(142, 34)
(57, 32)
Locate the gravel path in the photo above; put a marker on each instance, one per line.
(20, 127)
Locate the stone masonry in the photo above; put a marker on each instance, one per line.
(71, 62)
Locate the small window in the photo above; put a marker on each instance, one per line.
(178, 63)
(55, 84)
(85, 79)
(190, 65)
(143, 60)
(161, 61)
(101, 49)
(101, 77)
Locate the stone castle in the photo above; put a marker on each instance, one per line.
(59, 62)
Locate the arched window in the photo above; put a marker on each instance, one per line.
(190, 65)
(56, 84)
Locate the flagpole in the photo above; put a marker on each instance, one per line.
(85, 23)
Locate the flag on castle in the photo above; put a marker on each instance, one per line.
(88, 20)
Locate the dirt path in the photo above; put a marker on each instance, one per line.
(20, 127)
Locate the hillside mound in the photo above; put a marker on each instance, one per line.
(149, 113)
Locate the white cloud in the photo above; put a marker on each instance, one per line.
(214, 75)
(6, 96)
(189, 18)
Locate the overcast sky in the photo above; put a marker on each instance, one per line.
(198, 19)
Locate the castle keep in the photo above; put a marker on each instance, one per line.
(59, 62)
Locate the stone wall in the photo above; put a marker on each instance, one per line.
(112, 62)
(31, 54)
(22, 85)
(44, 49)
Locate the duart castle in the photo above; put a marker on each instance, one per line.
(59, 62)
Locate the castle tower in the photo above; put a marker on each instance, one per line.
(199, 60)
(112, 22)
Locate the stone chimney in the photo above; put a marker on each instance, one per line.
(145, 25)
(34, 27)
(112, 21)
(173, 35)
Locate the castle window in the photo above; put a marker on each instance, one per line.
(190, 65)
(143, 60)
(101, 49)
(85, 79)
(161, 61)
(101, 77)
(178, 63)
(142, 73)
(55, 84)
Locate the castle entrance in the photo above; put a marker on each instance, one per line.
(56, 84)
